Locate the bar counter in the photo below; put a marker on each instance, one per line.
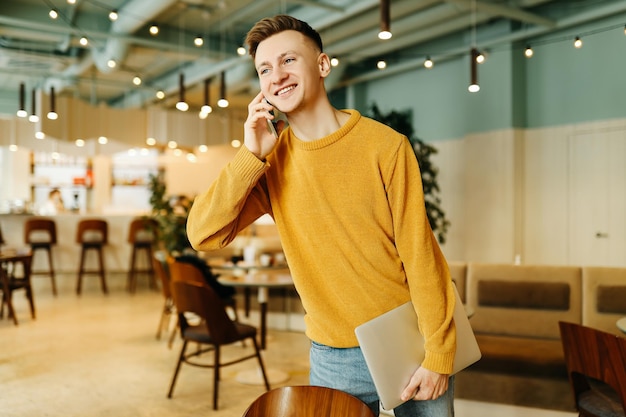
(66, 253)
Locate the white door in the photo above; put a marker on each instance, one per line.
(597, 199)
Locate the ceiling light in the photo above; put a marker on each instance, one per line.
(473, 87)
(52, 114)
(222, 102)
(385, 29)
(198, 41)
(578, 43)
(80, 143)
(103, 140)
(480, 57)
(191, 157)
(172, 144)
(182, 104)
(54, 14)
(381, 65)
(203, 148)
(40, 135)
(33, 110)
(137, 80)
(428, 63)
(160, 94)
(111, 63)
(13, 147)
(334, 61)
(113, 15)
(150, 141)
(241, 51)
(71, 1)
(235, 143)
(528, 52)
(206, 108)
(21, 112)
(154, 29)
(84, 41)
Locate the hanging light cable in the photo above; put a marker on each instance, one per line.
(473, 86)
(21, 112)
(182, 104)
(52, 114)
(385, 24)
(223, 102)
(33, 118)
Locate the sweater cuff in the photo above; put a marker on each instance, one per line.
(441, 363)
(246, 164)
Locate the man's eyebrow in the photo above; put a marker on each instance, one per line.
(281, 56)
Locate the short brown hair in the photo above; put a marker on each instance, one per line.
(269, 26)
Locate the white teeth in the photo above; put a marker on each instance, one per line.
(284, 90)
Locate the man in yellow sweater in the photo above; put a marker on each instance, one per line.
(345, 192)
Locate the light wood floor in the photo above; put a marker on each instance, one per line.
(97, 355)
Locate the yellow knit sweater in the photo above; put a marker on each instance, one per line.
(350, 212)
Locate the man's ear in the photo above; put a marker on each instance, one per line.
(323, 63)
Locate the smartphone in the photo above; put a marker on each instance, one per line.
(270, 124)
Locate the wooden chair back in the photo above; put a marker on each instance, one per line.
(192, 295)
(307, 401)
(92, 231)
(40, 226)
(592, 353)
(143, 230)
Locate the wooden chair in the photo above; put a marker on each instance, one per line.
(142, 236)
(307, 401)
(161, 269)
(10, 281)
(41, 235)
(596, 366)
(92, 234)
(214, 329)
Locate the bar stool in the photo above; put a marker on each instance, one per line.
(141, 235)
(92, 234)
(41, 234)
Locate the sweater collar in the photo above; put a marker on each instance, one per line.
(355, 116)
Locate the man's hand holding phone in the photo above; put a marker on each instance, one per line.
(259, 137)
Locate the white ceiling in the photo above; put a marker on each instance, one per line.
(43, 52)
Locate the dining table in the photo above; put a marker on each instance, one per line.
(262, 278)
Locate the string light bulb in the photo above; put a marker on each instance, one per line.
(241, 51)
(113, 15)
(578, 43)
(198, 41)
(54, 14)
(381, 65)
(154, 29)
(528, 52)
(83, 41)
(428, 63)
(52, 114)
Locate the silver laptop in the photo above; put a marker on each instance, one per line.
(394, 348)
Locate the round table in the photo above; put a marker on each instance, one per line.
(262, 280)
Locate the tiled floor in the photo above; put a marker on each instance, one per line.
(97, 355)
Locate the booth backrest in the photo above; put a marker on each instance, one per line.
(458, 271)
(604, 297)
(520, 300)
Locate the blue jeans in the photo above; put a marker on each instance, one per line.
(346, 370)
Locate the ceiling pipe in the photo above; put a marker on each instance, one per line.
(127, 22)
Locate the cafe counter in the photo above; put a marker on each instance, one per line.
(66, 253)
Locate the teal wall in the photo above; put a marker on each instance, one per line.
(559, 85)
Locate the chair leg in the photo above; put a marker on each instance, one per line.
(258, 356)
(216, 376)
(178, 364)
(81, 269)
(103, 281)
(132, 283)
(52, 277)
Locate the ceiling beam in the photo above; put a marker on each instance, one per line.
(506, 11)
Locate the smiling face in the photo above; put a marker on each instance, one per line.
(291, 71)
